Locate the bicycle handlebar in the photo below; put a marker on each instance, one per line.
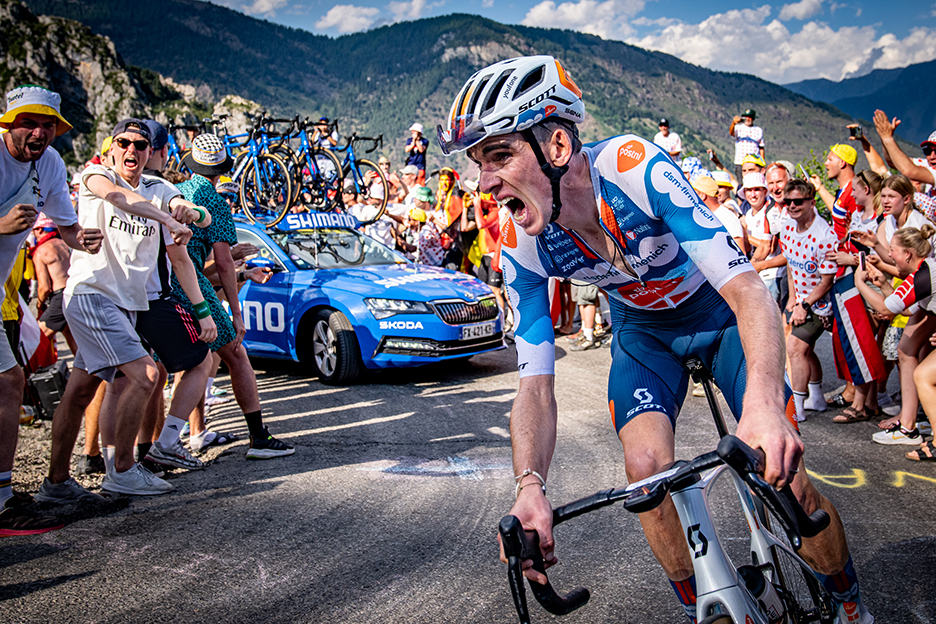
(520, 545)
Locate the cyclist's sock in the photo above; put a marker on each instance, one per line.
(255, 424)
(815, 390)
(844, 589)
(799, 398)
(685, 592)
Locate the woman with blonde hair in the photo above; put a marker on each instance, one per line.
(911, 251)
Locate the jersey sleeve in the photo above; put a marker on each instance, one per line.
(903, 297)
(702, 236)
(528, 291)
(826, 244)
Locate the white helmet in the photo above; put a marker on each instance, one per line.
(510, 96)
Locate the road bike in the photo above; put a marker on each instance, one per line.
(364, 176)
(777, 587)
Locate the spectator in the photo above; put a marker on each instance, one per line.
(777, 178)
(751, 164)
(29, 170)
(321, 137)
(669, 141)
(415, 151)
(924, 172)
(911, 251)
(840, 166)
(763, 226)
(50, 257)
(429, 245)
(586, 297)
(707, 188)
(805, 241)
(484, 253)
(408, 176)
(398, 190)
(102, 294)
(899, 212)
(749, 139)
(726, 190)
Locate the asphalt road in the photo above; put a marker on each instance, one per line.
(387, 513)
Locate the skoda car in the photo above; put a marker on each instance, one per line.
(344, 303)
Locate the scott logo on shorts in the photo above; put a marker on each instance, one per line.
(643, 395)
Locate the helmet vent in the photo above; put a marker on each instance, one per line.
(477, 94)
(495, 92)
(531, 80)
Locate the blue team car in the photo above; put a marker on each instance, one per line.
(343, 303)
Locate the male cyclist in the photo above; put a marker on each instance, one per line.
(620, 214)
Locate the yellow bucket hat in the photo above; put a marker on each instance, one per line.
(34, 99)
(106, 144)
(845, 152)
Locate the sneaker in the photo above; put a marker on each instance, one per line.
(153, 468)
(213, 400)
(578, 336)
(67, 492)
(138, 481)
(925, 428)
(216, 391)
(600, 331)
(186, 430)
(91, 464)
(898, 435)
(849, 613)
(697, 390)
(17, 520)
(268, 447)
(585, 345)
(176, 456)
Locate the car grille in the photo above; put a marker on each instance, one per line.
(462, 313)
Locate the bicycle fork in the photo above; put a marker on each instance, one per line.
(719, 588)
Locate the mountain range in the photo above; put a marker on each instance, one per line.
(383, 80)
(903, 93)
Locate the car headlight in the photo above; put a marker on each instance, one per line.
(383, 308)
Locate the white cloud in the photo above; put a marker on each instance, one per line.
(749, 41)
(608, 19)
(804, 9)
(265, 7)
(347, 18)
(407, 10)
(487, 4)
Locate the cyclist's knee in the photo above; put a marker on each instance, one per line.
(641, 462)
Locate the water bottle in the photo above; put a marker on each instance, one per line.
(764, 592)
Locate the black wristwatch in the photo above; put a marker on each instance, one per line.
(806, 306)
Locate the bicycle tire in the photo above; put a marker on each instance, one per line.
(806, 600)
(361, 172)
(291, 159)
(175, 163)
(266, 190)
(320, 185)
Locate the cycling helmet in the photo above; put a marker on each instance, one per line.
(513, 96)
(510, 96)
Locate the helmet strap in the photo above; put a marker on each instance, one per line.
(553, 173)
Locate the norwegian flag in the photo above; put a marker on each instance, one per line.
(857, 356)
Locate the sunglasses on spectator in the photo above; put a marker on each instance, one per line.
(140, 145)
(798, 201)
(928, 149)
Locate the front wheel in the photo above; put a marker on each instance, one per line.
(334, 350)
(805, 598)
(320, 180)
(369, 181)
(266, 190)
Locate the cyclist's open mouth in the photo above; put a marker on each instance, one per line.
(516, 207)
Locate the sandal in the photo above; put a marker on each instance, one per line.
(873, 412)
(926, 453)
(213, 439)
(851, 415)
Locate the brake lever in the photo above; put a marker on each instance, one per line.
(520, 545)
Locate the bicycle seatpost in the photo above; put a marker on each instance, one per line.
(701, 375)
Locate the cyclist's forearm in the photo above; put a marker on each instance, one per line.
(533, 424)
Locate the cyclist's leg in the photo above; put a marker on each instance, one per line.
(827, 553)
(643, 386)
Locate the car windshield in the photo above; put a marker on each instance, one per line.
(333, 248)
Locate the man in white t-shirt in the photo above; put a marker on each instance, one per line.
(805, 241)
(321, 137)
(102, 296)
(32, 180)
(669, 141)
(749, 139)
(763, 227)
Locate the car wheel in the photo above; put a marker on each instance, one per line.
(335, 353)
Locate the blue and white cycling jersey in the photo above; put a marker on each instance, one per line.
(670, 239)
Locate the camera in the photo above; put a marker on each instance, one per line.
(855, 132)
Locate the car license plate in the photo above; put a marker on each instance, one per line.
(477, 331)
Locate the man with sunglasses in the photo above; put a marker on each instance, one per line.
(805, 241)
(32, 180)
(103, 295)
(924, 172)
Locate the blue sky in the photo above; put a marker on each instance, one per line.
(778, 41)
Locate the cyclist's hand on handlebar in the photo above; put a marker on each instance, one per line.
(769, 430)
(535, 513)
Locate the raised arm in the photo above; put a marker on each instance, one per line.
(885, 128)
(134, 204)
